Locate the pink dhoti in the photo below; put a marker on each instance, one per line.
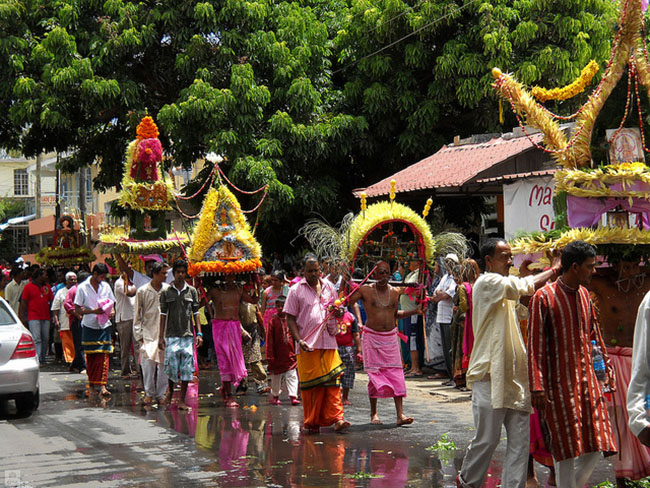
(633, 458)
(226, 335)
(382, 362)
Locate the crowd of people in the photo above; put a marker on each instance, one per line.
(527, 344)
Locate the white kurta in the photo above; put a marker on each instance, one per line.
(499, 348)
(639, 388)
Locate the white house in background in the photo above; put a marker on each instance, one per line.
(18, 181)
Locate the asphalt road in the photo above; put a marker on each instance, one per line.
(71, 441)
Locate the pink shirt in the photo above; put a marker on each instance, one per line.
(310, 311)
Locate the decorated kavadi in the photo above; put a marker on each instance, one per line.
(222, 242)
(604, 203)
(146, 194)
(67, 249)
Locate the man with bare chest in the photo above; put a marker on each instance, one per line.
(227, 334)
(379, 341)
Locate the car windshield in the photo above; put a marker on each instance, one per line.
(5, 315)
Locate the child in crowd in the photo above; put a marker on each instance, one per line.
(270, 295)
(281, 355)
(251, 349)
(347, 338)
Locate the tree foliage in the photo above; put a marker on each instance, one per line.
(313, 98)
(248, 80)
(420, 71)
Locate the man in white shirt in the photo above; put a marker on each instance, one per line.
(92, 302)
(61, 319)
(498, 369)
(14, 288)
(124, 300)
(146, 332)
(638, 392)
(444, 295)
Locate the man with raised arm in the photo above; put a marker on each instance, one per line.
(380, 344)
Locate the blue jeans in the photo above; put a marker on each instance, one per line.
(40, 330)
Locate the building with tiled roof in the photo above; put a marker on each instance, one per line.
(472, 167)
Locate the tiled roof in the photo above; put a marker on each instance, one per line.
(453, 166)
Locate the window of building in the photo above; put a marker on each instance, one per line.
(21, 182)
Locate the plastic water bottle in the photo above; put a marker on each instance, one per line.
(599, 365)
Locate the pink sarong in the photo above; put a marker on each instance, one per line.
(633, 458)
(383, 364)
(226, 335)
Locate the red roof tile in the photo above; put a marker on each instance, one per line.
(452, 165)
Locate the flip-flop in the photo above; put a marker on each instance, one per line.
(414, 375)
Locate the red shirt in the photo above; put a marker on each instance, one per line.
(38, 300)
(280, 349)
(347, 326)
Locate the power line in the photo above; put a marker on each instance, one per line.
(426, 26)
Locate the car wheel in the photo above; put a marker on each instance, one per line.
(27, 403)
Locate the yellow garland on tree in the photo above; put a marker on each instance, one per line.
(380, 212)
(570, 90)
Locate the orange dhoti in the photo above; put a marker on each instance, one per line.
(319, 372)
(68, 345)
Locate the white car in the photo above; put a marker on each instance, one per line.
(19, 366)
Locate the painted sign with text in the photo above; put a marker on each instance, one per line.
(528, 206)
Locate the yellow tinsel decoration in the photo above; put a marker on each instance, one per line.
(601, 235)
(568, 91)
(384, 211)
(207, 231)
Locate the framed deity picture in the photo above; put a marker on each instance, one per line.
(626, 146)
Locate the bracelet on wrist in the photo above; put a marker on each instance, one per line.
(199, 334)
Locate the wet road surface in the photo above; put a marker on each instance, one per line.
(71, 441)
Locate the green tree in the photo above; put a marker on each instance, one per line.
(249, 80)
(419, 71)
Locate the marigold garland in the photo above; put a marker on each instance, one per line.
(570, 90)
(147, 128)
(224, 267)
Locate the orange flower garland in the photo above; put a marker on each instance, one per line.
(147, 129)
(233, 267)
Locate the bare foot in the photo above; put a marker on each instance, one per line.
(341, 425)
(375, 420)
(347, 402)
(532, 483)
(167, 399)
(404, 421)
(183, 406)
(104, 392)
(230, 403)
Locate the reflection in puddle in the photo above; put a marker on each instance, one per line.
(264, 446)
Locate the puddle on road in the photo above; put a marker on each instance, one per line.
(262, 445)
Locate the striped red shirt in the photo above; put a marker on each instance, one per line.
(562, 324)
